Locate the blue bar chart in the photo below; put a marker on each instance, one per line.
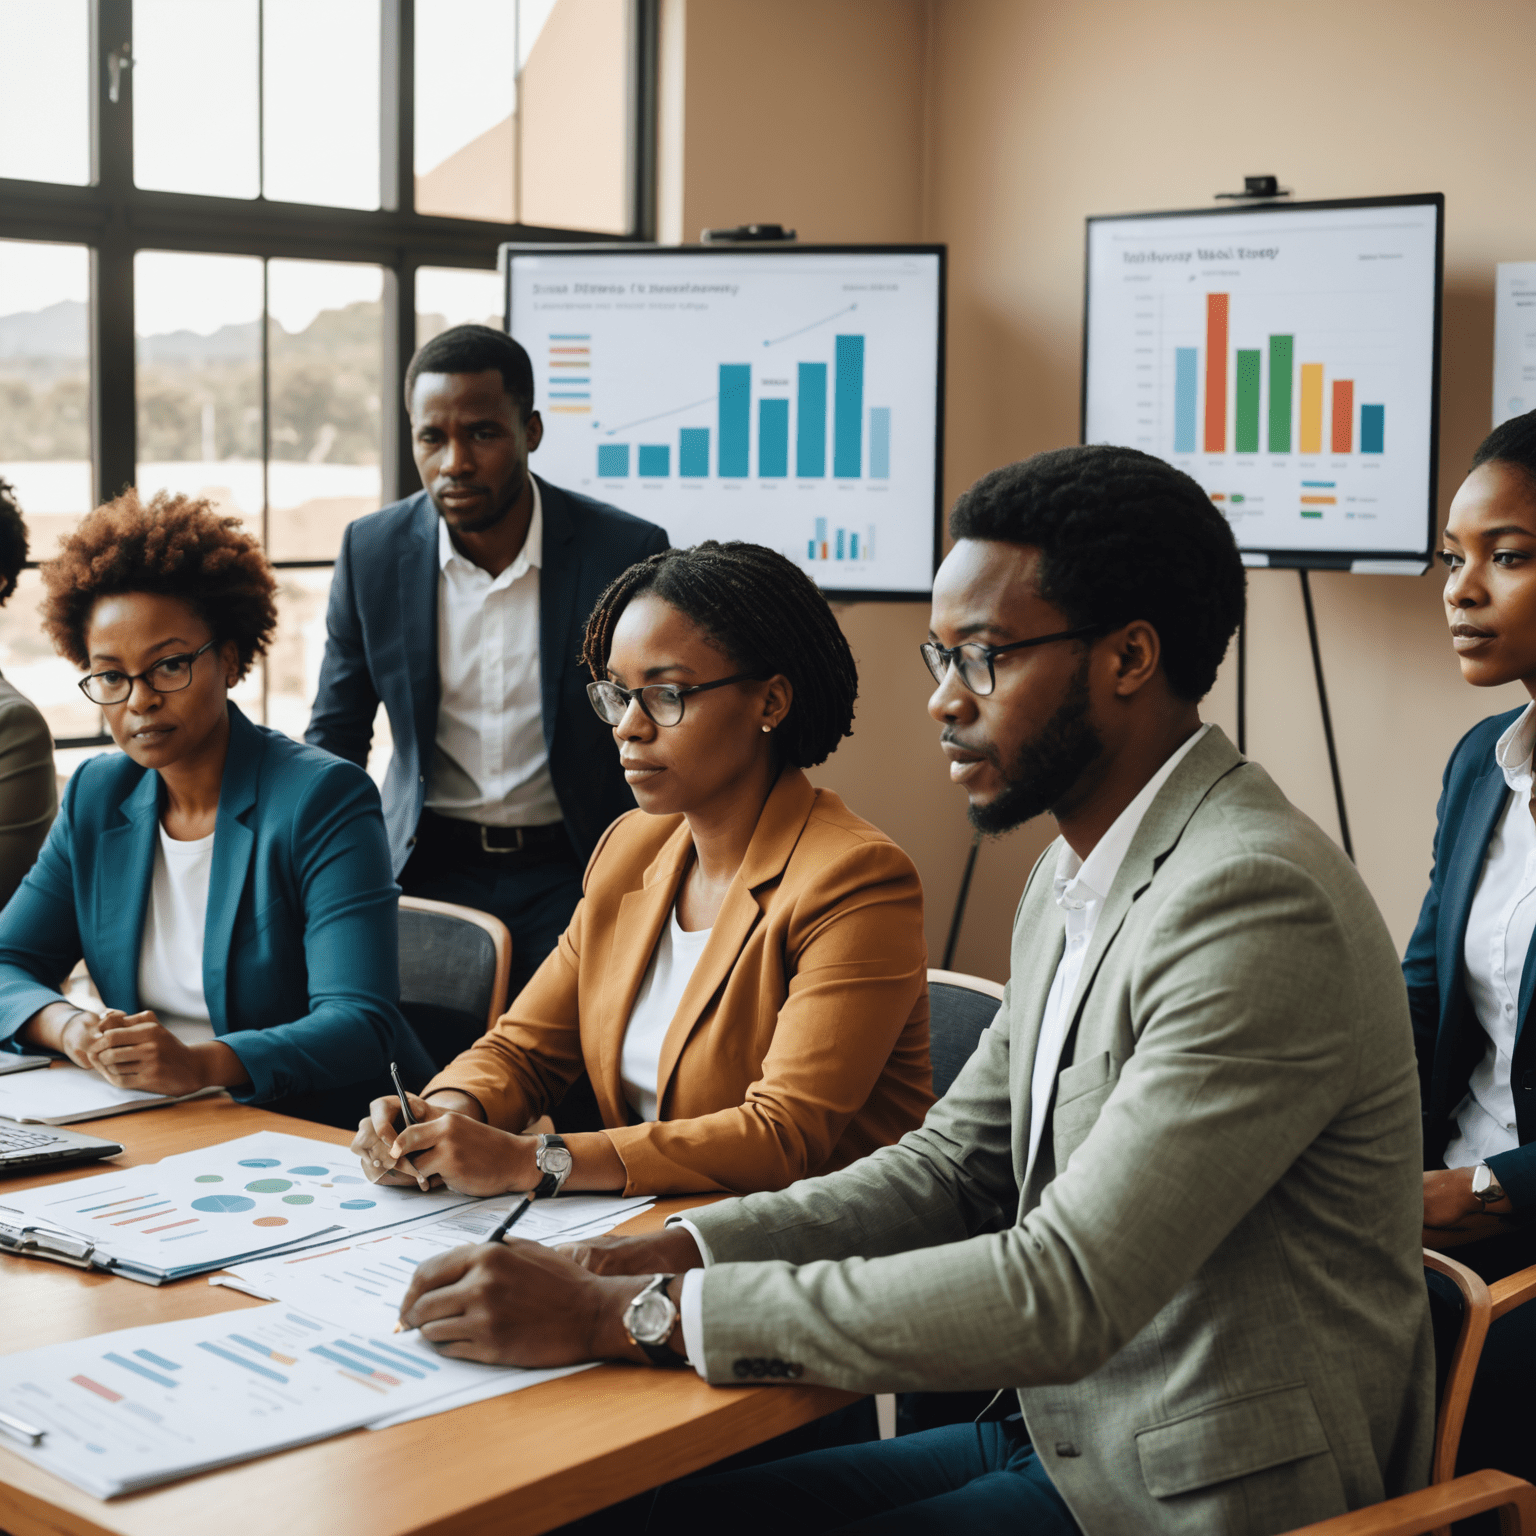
(748, 395)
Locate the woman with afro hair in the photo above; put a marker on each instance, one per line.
(228, 888)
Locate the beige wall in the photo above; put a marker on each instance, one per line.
(997, 126)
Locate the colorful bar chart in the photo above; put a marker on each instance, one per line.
(1280, 350)
(811, 423)
(570, 373)
(1216, 373)
(1343, 415)
(842, 544)
(612, 460)
(848, 409)
(772, 438)
(879, 443)
(1186, 362)
(1246, 427)
(693, 453)
(655, 461)
(1373, 428)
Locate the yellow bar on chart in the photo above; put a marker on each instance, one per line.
(1311, 407)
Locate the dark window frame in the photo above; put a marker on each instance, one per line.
(116, 220)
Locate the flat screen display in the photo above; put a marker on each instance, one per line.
(1285, 356)
(792, 397)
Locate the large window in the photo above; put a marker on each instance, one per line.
(224, 227)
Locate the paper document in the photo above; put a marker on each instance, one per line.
(360, 1284)
(67, 1094)
(126, 1410)
(204, 1209)
(1514, 340)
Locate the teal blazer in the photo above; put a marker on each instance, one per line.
(300, 948)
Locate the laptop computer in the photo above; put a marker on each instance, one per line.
(29, 1147)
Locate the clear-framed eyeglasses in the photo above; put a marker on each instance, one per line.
(662, 702)
(168, 675)
(974, 660)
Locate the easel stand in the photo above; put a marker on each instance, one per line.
(1322, 704)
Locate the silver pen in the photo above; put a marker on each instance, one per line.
(19, 1431)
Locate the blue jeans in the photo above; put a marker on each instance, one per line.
(971, 1478)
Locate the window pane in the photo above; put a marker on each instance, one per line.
(466, 96)
(45, 59)
(325, 334)
(194, 97)
(321, 79)
(29, 661)
(455, 296)
(573, 144)
(198, 378)
(45, 386)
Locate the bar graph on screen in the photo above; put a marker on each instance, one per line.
(1262, 350)
(783, 400)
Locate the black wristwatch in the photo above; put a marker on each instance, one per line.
(649, 1320)
(553, 1160)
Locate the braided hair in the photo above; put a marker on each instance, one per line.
(1122, 536)
(1512, 442)
(766, 615)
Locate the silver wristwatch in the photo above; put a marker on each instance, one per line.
(1485, 1188)
(553, 1160)
(649, 1320)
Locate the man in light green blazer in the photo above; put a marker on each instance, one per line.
(1173, 1200)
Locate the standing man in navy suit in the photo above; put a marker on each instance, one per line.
(461, 609)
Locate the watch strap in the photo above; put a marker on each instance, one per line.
(551, 1182)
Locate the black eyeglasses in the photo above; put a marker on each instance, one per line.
(168, 675)
(662, 702)
(974, 660)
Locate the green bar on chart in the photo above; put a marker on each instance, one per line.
(1247, 425)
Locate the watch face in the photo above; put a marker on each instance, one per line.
(652, 1319)
(556, 1160)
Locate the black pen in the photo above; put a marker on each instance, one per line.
(506, 1224)
(405, 1114)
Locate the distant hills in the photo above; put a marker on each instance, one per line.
(58, 333)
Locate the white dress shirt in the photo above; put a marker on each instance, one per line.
(491, 763)
(1499, 929)
(171, 952)
(1081, 887)
(673, 962)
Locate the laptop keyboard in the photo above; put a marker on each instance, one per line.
(24, 1139)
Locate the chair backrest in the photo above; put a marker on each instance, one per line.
(960, 1007)
(1460, 1317)
(454, 966)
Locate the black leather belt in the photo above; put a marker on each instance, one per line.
(483, 844)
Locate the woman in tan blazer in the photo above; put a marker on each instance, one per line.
(744, 979)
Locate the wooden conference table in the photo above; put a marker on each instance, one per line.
(516, 1464)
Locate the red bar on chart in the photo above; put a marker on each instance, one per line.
(1216, 373)
(1343, 415)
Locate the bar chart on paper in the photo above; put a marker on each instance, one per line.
(787, 401)
(1284, 359)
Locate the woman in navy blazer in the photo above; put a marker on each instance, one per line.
(234, 875)
(1471, 963)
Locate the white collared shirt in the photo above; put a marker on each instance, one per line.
(1081, 886)
(1500, 925)
(490, 762)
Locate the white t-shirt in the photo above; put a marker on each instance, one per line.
(171, 956)
(666, 979)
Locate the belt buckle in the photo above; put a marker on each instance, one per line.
(486, 847)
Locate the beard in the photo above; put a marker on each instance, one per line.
(1046, 766)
